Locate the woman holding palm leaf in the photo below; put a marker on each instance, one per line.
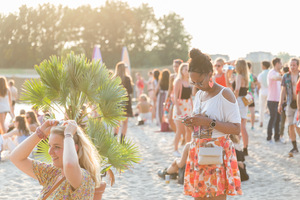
(75, 170)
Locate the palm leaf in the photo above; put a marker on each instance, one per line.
(120, 156)
(42, 152)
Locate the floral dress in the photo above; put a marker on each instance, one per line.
(47, 174)
(213, 180)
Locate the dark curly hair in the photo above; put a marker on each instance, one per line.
(199, 62)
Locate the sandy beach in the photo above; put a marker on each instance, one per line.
(273, 175)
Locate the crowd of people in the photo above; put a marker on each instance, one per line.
(204, 102)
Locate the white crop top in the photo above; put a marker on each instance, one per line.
(218, 108)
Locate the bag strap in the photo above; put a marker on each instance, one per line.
(53, 188)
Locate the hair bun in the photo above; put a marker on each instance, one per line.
(195, 53)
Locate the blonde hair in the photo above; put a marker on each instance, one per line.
(88, 156)
(241, 68)
(221, 60)
(179, 75)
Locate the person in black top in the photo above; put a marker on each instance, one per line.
(127, 83)
(183, 106)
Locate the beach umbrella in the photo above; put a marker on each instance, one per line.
(97, 54)
(125, 59)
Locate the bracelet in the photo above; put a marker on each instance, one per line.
(40, 133)
(68, 135)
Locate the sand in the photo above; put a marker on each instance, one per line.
(273, 175)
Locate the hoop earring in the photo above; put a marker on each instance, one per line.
(211, 83)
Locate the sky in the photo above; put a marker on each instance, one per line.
(231, 27)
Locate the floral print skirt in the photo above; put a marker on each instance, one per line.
(212, 180)
(185, 106)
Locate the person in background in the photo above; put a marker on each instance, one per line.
(263, 90)
(127, 83)
(240, 91)
(170, 98)
(150, 86)
(161, 93)
(75, 163)
(220, 76)
(216, 113)
(274, 88)
(139, 85)
(5, 103)
(32, 120)
(183, 106)
(288, 90)
(285, 69)
(252, 86)
(156, 74)
(21, 131)
(144, 108)
(14, 95)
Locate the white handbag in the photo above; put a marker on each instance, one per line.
(210, 156)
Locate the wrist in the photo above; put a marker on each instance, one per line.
(68, 135)
(40, 133)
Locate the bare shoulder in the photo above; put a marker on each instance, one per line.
(228, 94)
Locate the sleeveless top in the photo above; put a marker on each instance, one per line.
(243, 90)
(218, 108)
(4, 104)
(221, 80)
(186, 92)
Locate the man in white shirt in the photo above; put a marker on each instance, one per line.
(263, 90)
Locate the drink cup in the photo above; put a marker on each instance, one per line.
(167, 178)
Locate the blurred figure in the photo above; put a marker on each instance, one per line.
(5, 103)
(288, 90)
(285, 69)
(183, 106)
(150, 86)
(144, 108)
(169, 103)
(274, 88)
(220, 77)
(32, 121)
(263, 90)
(241, 90)
(14, 95)
(21, 131)
(127, 83)
(156, 74)
(161, 93)
(252, 86)
(139, 85)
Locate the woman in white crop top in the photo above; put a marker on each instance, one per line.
(217, 114)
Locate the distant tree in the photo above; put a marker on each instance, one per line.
(173, 41)
(285, 57)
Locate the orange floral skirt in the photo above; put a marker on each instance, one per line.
(212, 180)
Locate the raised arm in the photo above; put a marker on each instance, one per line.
(71, 165)
(11, 133)
(19, 156)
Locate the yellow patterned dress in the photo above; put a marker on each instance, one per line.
(47, 174)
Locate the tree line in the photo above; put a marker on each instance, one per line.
(33, 34)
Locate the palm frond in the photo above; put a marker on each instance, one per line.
(42, 152)
(33, 92)
(120, 156)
